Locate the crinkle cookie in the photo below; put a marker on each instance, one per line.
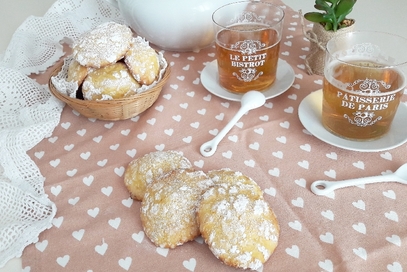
(228, 177)
(105, 44)
(142, 61)
(168, 209)
(144, 170)
(109, 82)
(76, 72)
(240, 228)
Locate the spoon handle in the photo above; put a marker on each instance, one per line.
(324, 187)
(209, 148)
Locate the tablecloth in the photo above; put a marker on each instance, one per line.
(97, 226)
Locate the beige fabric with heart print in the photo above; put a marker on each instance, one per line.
(97, 225)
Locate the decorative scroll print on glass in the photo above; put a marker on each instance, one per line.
(250, 61)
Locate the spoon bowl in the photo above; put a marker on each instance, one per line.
(250, 100)
(253, 100)
(402, 172)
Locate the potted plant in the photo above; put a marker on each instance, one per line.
(329, 20)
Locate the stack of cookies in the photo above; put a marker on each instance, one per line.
(225, 207)
(109, 63)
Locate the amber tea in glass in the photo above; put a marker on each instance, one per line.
(248, 38)
(362, 86)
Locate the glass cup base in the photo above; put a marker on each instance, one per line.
(355, 139)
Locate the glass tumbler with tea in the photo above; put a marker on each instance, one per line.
(364, 79)
(248, 36)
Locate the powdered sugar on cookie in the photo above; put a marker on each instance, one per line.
(105, 44)
(168, 209)
(110, 82)
(144, 170)
(143, 61)
(238, 226)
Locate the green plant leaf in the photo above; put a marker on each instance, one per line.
(329, 18)
(344, 8)
(321, 5)
(342, 17)
(328, 26)
(315, 17)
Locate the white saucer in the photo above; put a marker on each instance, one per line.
(309, 113)
(284, 80)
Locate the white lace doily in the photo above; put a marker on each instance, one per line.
(29, 113)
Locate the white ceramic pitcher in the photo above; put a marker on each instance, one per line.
(173, 25)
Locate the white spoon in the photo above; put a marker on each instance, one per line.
(250, 100)
(323, 187)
